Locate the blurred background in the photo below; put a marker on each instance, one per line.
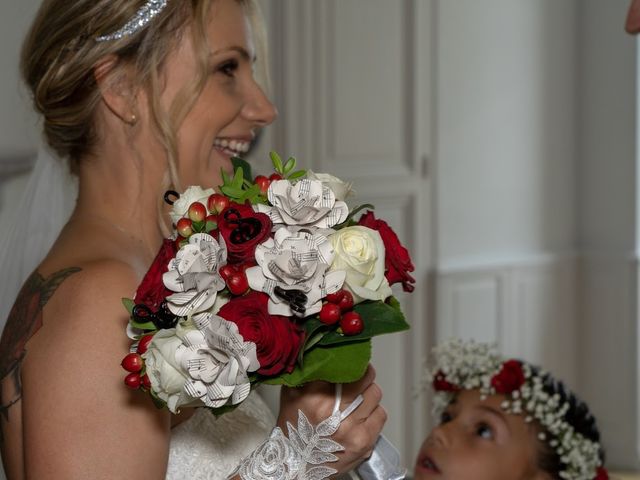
(499, 138)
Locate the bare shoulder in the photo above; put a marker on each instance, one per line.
(74, 398)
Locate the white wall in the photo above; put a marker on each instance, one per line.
(506, 130)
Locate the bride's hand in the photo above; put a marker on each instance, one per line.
(357, 433)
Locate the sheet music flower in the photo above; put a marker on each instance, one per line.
(269, 282)
(306, 203)
(193, 274)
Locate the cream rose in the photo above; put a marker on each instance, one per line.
(359, 251)
(190, 195)
(341, 189)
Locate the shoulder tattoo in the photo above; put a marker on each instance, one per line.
(24, 320)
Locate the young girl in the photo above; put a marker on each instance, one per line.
(505, 420)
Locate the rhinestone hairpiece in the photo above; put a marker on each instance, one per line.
(139, 21)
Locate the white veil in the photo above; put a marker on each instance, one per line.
(35, 223)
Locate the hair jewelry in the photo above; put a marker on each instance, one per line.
(139, 21)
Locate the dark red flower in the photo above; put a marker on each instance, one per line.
(510, 377)
(152, 291)
(440, 384)
(397, 260)
(601, 474)
(243, 230)
(278, 340)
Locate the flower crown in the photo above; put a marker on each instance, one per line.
(461, 365)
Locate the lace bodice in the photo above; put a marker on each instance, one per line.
(206, 448)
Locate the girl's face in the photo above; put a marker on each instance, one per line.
(232, 106)
(477, 440)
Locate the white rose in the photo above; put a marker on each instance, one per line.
(166, 375)
(342, 190)
(190, 195)
(359, 251)
(305, 204)
(193, 275)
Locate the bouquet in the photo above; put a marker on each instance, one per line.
(266, 281)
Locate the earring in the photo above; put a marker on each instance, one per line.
(133, 119)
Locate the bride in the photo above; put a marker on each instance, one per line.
(139, 97)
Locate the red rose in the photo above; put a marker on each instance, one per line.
(278, 340)
(397, 260)
(440, 384)
(510, 377)
(601, 474)
(152, 291)
(243, 230)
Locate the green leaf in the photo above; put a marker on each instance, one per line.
(218, 412)
(379, 318)
(238, 178)
(198, 227)
(142, 326)
(157, 401)
(339, 364)
(277, 161)
(290, 165)
(297, 174)
(238, 162)
(128, 304)
(231, 191)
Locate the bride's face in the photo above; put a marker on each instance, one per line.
(231, 107)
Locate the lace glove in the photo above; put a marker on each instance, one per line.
(303, 455)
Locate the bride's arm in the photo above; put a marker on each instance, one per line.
(79, 420)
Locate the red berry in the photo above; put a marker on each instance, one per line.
(197, 212)
(335, 297)
(132, 381)
(330, 313)
(351, 323)
(132, 362)
(146, 381)
(275, 176)
(262, 182)
(226, 271)
(217, 203)
(143, 344)
(346, 302)
(238, 283)
(184, 227)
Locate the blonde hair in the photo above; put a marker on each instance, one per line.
(60, 54)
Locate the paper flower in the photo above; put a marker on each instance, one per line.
(202, 363)
(306, 203)
(193, 275)
(295, 264)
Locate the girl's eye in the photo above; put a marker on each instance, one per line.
(445, 417)
(484, 431)
(228, 68)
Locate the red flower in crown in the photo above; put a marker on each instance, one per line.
(601, 474)
(397, 260)
(152, 291)
(278, 340)
(510, 377)
(440, 384)
(243, 229)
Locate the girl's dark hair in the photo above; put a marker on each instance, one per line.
(578, 416)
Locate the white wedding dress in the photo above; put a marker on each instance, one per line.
(208, 448)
